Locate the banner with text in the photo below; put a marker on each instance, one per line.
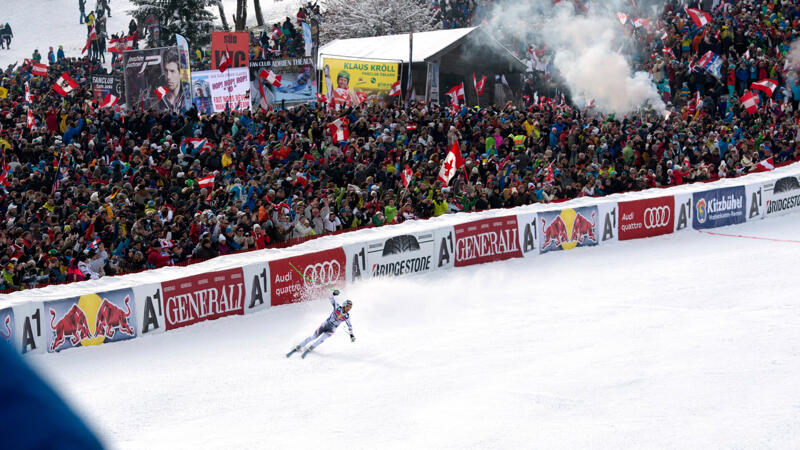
(370, 77)
(646, 218)
(152, 69)
(215, 91)
(308, 276)
(107, 84)
(486, 240)
(237, 43)
(718, 207)
(298, 81)
(203, 297)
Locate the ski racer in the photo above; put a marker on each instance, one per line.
(340, 314)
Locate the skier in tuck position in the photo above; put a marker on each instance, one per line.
(340, 314)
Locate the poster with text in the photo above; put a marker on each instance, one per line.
(152, 70)
(215, 91)
(298, 82)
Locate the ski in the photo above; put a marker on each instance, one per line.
(306, 352)
(293, 351)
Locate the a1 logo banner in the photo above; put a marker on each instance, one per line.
(445, 250)
(256, 279)
(608, 212)
(684, 211)
(28, 329)
(149, 308)
(755, 194)
(91, 319)
(528, 234)
(568, 228)
(356, 269)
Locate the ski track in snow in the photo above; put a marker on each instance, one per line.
(680, 341)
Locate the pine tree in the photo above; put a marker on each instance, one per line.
(190, 18)
(365, 18)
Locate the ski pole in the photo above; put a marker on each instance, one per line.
(308, 279)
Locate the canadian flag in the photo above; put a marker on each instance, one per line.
(270, 77)
(699, 17)
(395, 89)
(225, 60)
(92, 36)
(622, 17)
(109, 100)
(452, 162)
(406, 175)
(479, 85)
(161, 91)
(766, 86)
(65, 85)
(166, 243)
(766, 165)
(750, 102)
(206, 182)
(40, 70)
(340, 130)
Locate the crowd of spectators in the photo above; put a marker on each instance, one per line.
(90, 192)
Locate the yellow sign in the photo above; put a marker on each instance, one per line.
(3, 92)
(369, 77)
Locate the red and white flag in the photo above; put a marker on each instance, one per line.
(28, 96)
(166, 243)
(225, 60)
(750, 102)
(206, 182)
(340, 130)
(479, 85)
(549, 174)
(452, 162)
(395, 89)
(321, 98)
(411, 127)
(699, 17)
(766, 165)
(362, 97)
(270, 77)
(31, 121)
(109, 100)
(39, 70)
(641, 22)
(622, 17)
(65, 84)
(161, 91)
(120, 45)
(766, 86)
(92, 36)
(668, 51)
(301, 179)
(457, 92)
(406, 175)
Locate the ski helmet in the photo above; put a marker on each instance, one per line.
(347, 303)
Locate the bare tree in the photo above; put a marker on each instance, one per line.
(222, 16)
(259, 16)
(365, 18)
(240, 19)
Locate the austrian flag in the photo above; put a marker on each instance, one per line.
(406, 175)
(161, 91)
(699, 17)
(109, 101)
(40, 70)
(340, 130)
(65, 85)
(206, 181)
(479, 85)
(766, 86)
(750, 102)
(270, 77)
(395, 89)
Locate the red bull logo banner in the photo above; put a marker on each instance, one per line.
(90, 319)
(305, 277)
(568, 228)
(646, 217)
(486, 240)
(7, 325)
(203, 297)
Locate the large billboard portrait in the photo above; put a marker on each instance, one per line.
(298, 82)
(350, 82)
(154, 80)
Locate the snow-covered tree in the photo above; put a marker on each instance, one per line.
(190, 18)
(350, 19)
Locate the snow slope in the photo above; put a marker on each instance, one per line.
(681, 341)
(44, 23)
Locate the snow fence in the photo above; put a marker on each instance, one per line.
(112, 309)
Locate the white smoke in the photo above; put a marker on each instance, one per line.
(584, 51)
(792, 62)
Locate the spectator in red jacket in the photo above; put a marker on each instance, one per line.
(155, 257)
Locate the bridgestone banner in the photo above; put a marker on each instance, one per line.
(393, 256)
(782, 196)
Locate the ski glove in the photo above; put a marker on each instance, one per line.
(352, 338)
(335, 292)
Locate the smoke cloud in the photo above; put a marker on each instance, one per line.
(585, 48)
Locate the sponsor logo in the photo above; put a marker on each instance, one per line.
(91, 319)
(5, 332)
(72, 325)
(782, 204)
(784, 195)
(645, 218)
(657, 217)
(322, 274)
(719, 207)
(568, 228)
(405, 266)
(701, 210)
(487, 240)
(203, 297)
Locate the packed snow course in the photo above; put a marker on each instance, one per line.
(679, 341)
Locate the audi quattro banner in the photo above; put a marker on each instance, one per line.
(397, 255)
(318, 271)
(90, 319)
(7, 326)
(149, 308)
(486, 240)
(718, 207)
(28, 323)
(528, 234)
(568, 228)
(646, 218)
(203, 297)
(782, 196)
(683, 211)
